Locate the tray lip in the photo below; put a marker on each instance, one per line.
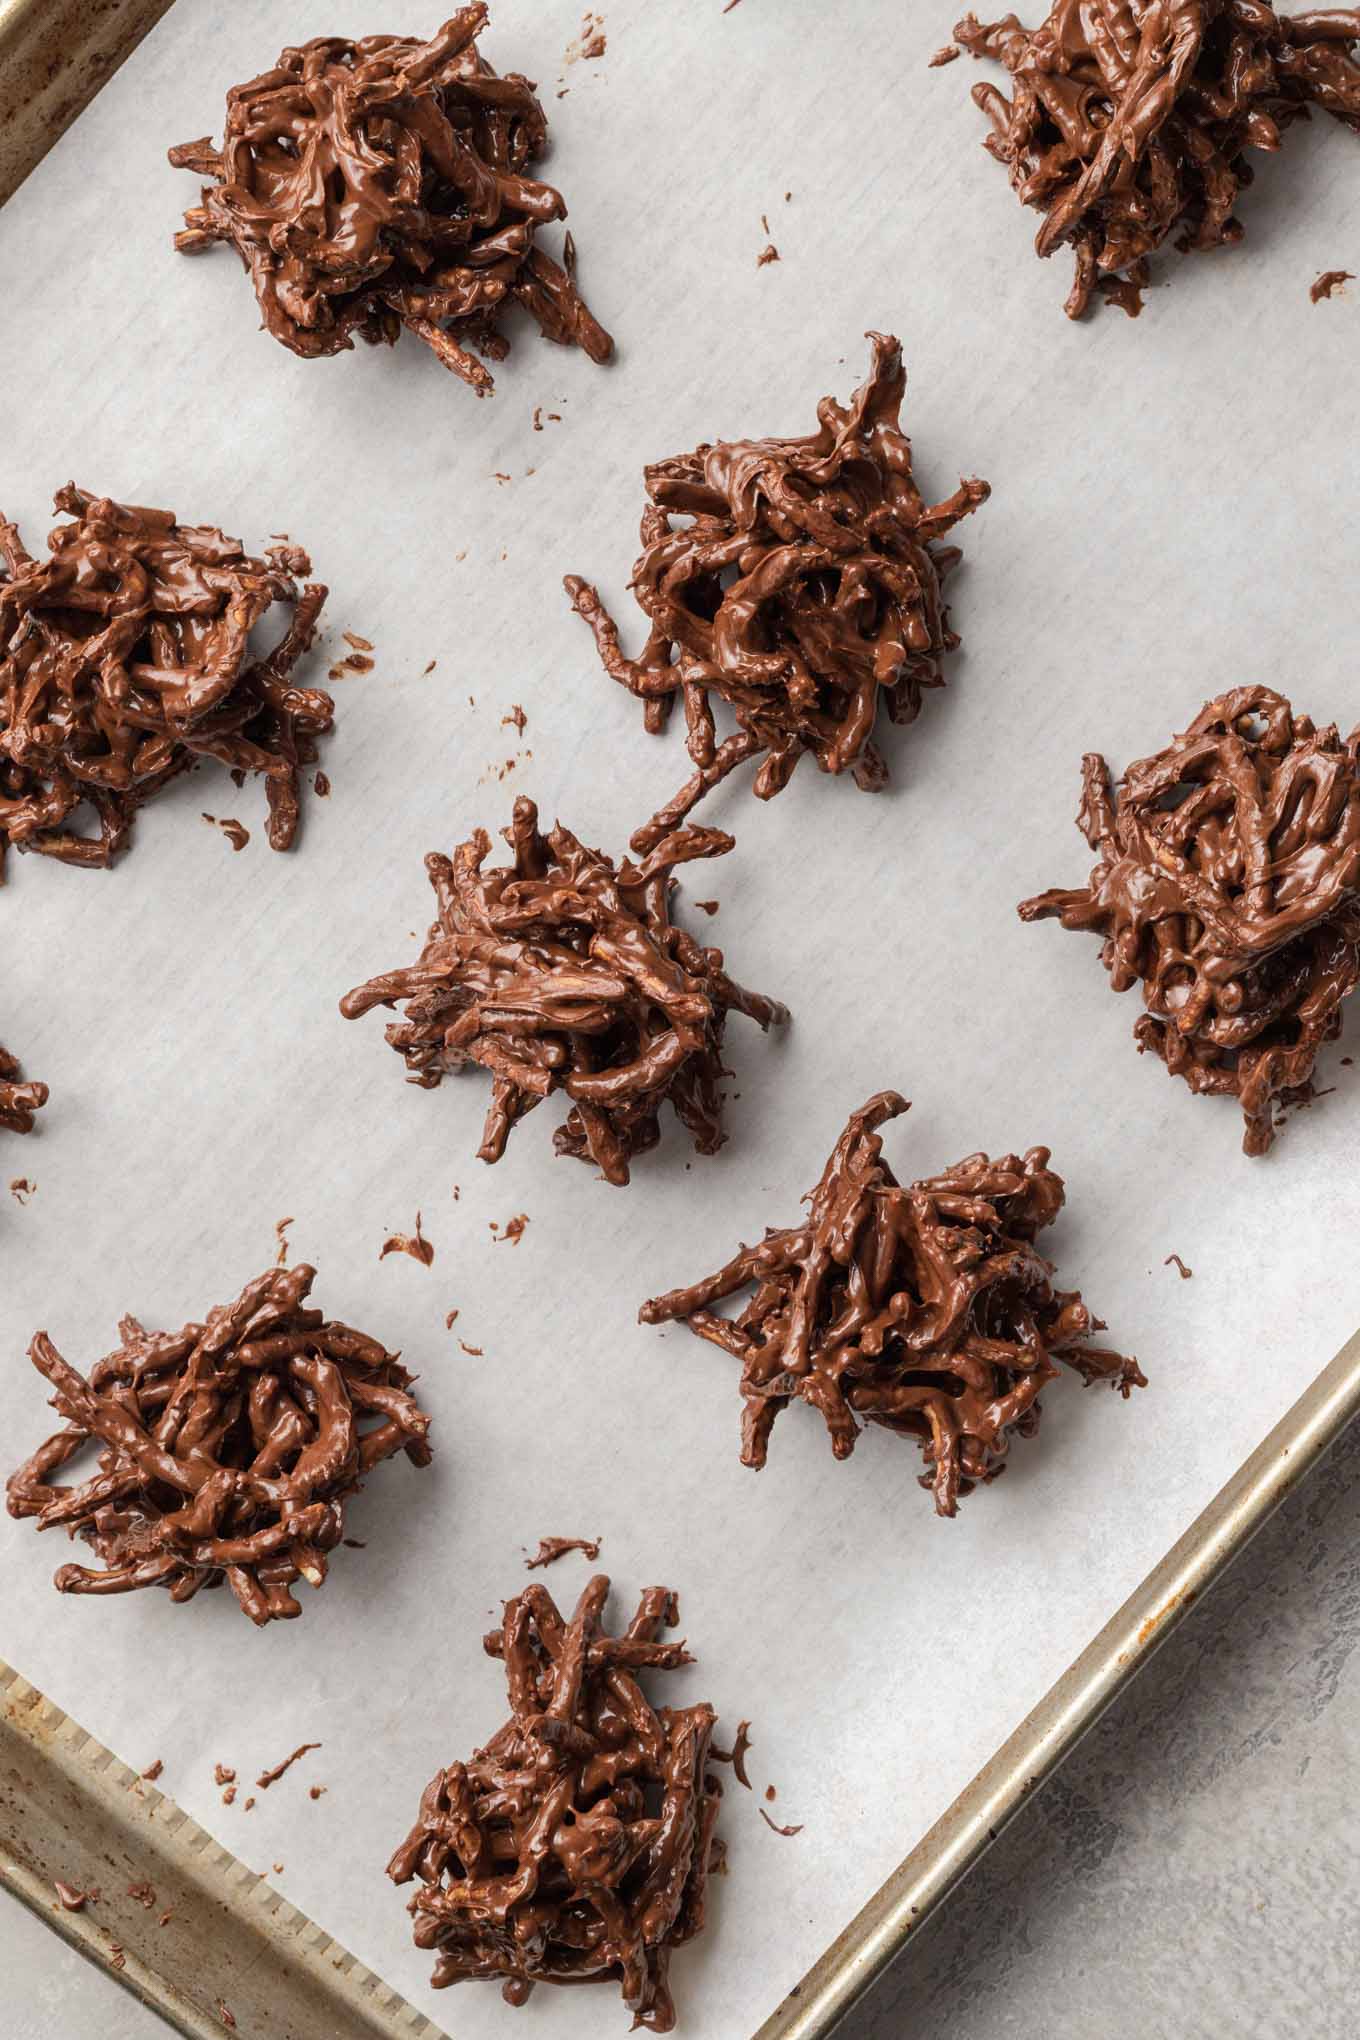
(926, 1877)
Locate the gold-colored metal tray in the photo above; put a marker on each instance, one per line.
(70, 1810)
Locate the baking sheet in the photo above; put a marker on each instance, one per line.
(1173, 512)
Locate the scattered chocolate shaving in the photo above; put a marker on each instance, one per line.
(226, 2015)
(268, 1778)
(117, 1958)
(512, 1230)
(434, 662)
(770, 1793)
(227, 1449)
(550, 1549)
(143, 1894)
(516, 717)
(736, 1756)
(315, 1791)
(473, 1352)
(451, 1320)
(769, 253)
(925, 1309)
(1174, 1260)
(125, 658)
(1130, 120)
(382, 184)
(229, 1795)
(1228, 882)
(21, 1189)
(355, 642)
(1329, 282)
(249, 1803)
(947, 55)
(590, 42)
(165, 1918)
(235, 832)
(563, 972)
(799, 582)
(72, 1899)
(223, 1774)
(576, 1847)
(707, 906)
(796, 1829)
(153, 1771)
(18, 1101)
(321, 786)
(280, 1232)
(415, 1244)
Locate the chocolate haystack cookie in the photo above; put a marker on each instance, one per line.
(563, 972)
(1130, 120)
(18, 1101)
(226, 1450)
(926, 1309)
(576, 1847)
(1229, 884)
(798, 581)
(125, 658)
(374, 185)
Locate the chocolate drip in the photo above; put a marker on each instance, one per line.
(564, 972)
(1228, 884)
(125, 658)
(226, 1450)
(18, 1101)
(576, 1847)
(925, 1309)
(798, 581)
(1130, 120)
(374, 185)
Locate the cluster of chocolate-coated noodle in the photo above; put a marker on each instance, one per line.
(927, 1309)
(226, 1450)
(1228, 884)
(576, 1847)
(564, 972)
(18, 1101)
(125, 658)
(374, 185)
(798, 581)
(1129, 121)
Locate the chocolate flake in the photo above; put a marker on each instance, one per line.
(226, 2015)
(563, 972)
(473, 1352)
(143, 1894)
(1228, 882)
(321, 786)
(72, 1899)
(769, 253)
(576, 1847)
(590, 42)
(512, 1230)
(415, 1244)
(223, 1774)
(280, 1233)
(550, 1549)
(125, 658)
(795, 1829)
(1175, 1261)
(18, 1101)
(834, 605)
(925, 1309)
(315, 1791)
(517, 718)
(260, 1422)
(947, 55)
(236, 834)
(21, 1189)
(355, 642)
(736, 1756)
(451, 1320)
(153, 1770)
(268, 1778)
(1130, 123)
(707, 906)
(382, 184)
(229, 1795)
(1330, 281)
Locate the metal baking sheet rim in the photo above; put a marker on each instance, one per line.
(54, 56)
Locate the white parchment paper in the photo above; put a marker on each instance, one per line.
(1174, 511)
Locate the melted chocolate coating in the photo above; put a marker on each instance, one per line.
(124, 658)
(374, 185)
(18, 1101)
(924, 1309)
(563, 972)
(1130, 120)
(1228, 882)
(576, 1847)
(799, 582)
(226, 1449)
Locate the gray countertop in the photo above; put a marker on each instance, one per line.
(1190, 1872)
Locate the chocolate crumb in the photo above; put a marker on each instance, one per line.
(517, 718)
(773, 1825)
(355, 642)
(1174, 1260)
(321, 785)
(415, 1244)
(235, 832)
(768, 254)
(1330, 282)
(249, 1803)
(550, 1549)
(18, 1102)
(144, 1894)
(223, 1774)
(21, 1189)
(451, 1320)
(226, 2015)
(474, 1352)
(707, 906)
(512, 1230)
(736, 1756)
(166, 1917)
(153, 1771)
(770, 1793)
(72, 1899)
(315, 1791)
(268, 1778)
(280, 1230)
(434, 662)
(229, 1796)
(117, 1959)
(944, 56)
